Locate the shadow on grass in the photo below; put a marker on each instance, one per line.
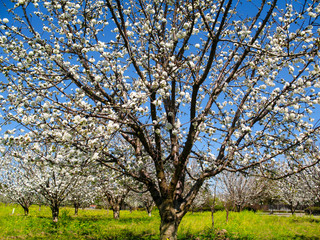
(129, 235)
(297, 236)
(96, 227)
(305, 219)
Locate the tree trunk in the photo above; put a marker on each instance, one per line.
(149, 210)
(25, 204)
(116, 211)
(227, 215)
(55, 212)
(212, 218)
(293, 209)
(76, 208)
(212, 213)
(238, 208)
(26, 211)
(169, 222)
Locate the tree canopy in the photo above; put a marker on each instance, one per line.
(149, 87)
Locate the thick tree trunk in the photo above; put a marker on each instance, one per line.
(26, 211)
(238, 208)
(116, 211)
(169, 222)
(25, 204)
(55, 212)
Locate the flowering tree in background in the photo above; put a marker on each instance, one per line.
(47, 170)
(148, 203)
(239, 190)
(17, 183)
(84, 193)
(174, 81)
(311, 179)
(114, 186)
(140, 198)
(133, 201)
(293, 191)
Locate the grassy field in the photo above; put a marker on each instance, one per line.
(98, 224)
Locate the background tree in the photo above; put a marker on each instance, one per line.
(240, 191)
(47, 170)
(16, 182)
(311, 179)
(293, 192)
(148, 203)
(176, 81)
(84, 192)
(114, 187)
(140, 198)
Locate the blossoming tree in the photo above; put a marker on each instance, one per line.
(207, 81)
(113, 186)
(240, 191)
(293, 191)
(311, 178)
(16, 183)
(47, 170)
(84, 193)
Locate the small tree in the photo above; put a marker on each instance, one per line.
(113, 187)
(17, 182)
(46, 170)
(84, 192)
(311, 179)
(148, 203)
(239, 191)
(292, 191)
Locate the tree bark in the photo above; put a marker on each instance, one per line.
(26, 211)
(212, 212)
(149, 210)
(169, 222)
(116, 211)
(227, 215)
(293, 207)
(25, 204)
(55, 212)
(213, 206)
(76, 208)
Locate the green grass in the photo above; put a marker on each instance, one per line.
(99, 224)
